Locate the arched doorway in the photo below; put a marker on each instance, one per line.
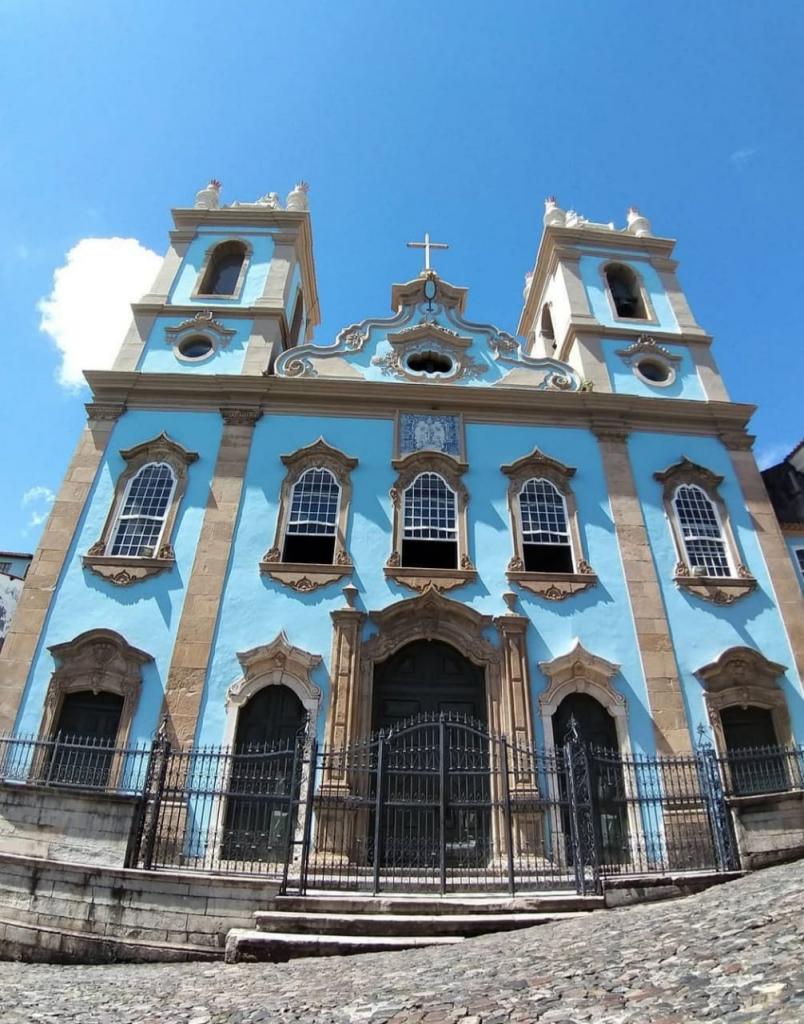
(431, 703)
(87, 723)
(596, 728)
(751, 742)
(427, 677)
(262, 770)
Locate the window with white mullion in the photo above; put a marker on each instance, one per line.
(313, 517)
(701, 531)
(429, 524)
(546, 543)
(143, 511)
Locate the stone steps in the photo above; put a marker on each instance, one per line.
(329, 924)
(244, 944)
(419, 925)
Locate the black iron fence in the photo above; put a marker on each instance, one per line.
(434, 804)
(75, 761)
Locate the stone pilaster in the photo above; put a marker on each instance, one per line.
(43, 575)
(193, 647)
(774, 550)
(345, 712)
(264, 344)
(516, 713)
(650, 620)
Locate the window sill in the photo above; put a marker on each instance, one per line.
(419, 579)
(553, 586)
(123, 571)
(717, 589)
(304, 576)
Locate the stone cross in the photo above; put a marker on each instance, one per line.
(427, 245)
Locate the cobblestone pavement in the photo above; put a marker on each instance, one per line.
(733, 953)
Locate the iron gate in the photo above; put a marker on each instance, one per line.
(440, 804)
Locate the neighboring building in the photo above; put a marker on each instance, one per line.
(13, 567)
(785, 484)
(427, 515)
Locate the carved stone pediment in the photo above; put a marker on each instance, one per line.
(740, 666)
(685, 471)
(319, 454)
(99, 660)
(203, 323)
(646, 345)
(277, 663)
(159, 448)
(580, 671)
(537, 464)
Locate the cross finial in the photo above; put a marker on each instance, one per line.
(427, 245)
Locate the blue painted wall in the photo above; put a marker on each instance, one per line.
(159, 356)
(187, 277)
(146, 614)
(625, 382)
(598, 300)
(255, 608)
(700, 630)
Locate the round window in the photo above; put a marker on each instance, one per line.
(196, 347)
(429, 362)
(654, 371)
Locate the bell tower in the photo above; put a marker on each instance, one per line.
(608, 302)
(236, 288)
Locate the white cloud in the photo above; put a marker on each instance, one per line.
(740, 157)
(38, 499)
(87, 312)
(768, 455)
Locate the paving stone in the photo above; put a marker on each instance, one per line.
(731, 955)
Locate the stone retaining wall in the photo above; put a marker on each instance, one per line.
(66, 824)
(76, 913)
(769, 828)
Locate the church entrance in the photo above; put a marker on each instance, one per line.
(596, 729)
(257, 825)
(430, 701)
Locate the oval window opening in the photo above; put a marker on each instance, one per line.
(653, 371)
(429, 362)
(195, 348)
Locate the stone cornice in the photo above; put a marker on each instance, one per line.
(378, 399)
(557, 243)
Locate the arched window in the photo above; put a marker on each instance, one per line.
(701, 532)
(141, 519)
(296, 322)
(546, 324)
(313, 518)
(625, 291)
(546, 544)
(223, 272)
(429, 531)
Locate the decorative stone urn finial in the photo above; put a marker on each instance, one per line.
(297, 197)
(553, 214)
(209, 198)
(637, 224)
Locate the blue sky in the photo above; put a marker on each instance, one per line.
(452, 117)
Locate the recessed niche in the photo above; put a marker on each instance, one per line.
(655, 371)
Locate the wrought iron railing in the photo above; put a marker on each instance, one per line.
(754, 771)
(76, 761)
(437, 803)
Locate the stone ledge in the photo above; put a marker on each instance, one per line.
(553, 586)
(420, 579)
(717, 589)
(304, 576)
(124, 571)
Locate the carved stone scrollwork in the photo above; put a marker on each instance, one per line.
(104, 410)
(551, 585)
(102, 661)
(302, 576)
(580, 671)
(272, 555)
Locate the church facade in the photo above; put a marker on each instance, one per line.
(428, 515)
